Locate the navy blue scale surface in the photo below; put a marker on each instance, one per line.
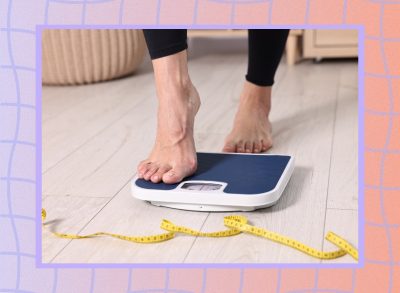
(244, 174)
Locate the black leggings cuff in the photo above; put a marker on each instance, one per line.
(170, 50)
(259, 82)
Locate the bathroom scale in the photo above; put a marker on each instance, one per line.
(223, 182)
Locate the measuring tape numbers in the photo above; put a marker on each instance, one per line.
(236, 225)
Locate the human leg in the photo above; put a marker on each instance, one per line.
(252, 132)
(173, 156)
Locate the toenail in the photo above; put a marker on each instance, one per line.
(155, 177)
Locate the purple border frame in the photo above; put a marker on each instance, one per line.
(361, 149)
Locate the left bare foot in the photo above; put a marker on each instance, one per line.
(252, 132)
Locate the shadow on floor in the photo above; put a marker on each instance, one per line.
(293, 190)
(286, 124)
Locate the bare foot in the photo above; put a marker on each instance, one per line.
(174, 155)
(252, 132)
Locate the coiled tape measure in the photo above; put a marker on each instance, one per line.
(236, 225)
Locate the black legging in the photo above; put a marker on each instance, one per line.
(265, 50)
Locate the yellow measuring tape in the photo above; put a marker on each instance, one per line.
(236, 225)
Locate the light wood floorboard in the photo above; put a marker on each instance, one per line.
(304, 123)
(129, 216)
(66, 214)
(343, 223)
(343, 179)
(94, 136)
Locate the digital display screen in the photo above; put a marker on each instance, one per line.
(201, 186)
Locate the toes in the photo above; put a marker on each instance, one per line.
(257, 147)
(143, 168)
(240, 147)
(248, 147)
(175, 175)
(229, 147)
(265, 145)
(151, 171)
(157, 177)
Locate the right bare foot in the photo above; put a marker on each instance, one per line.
(174, 155)
(251, 131)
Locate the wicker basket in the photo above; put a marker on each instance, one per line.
(72, 57)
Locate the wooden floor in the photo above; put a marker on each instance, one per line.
(95, 135)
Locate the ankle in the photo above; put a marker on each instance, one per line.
(172, 74)
(257, 97)
(180, 87)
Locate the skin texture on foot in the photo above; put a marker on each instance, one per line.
(174, 155)
(252, 131)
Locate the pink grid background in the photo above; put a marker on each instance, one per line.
(18, 20)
